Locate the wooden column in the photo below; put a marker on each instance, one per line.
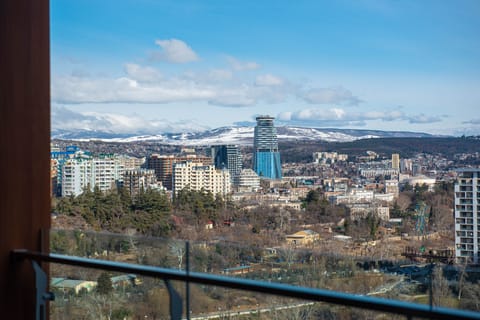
(24, 147)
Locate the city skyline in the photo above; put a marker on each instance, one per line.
(151, 67)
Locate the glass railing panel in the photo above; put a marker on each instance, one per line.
(305, 267)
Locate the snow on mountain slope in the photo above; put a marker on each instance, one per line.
(236, 135)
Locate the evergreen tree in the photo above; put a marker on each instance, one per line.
(104, 284)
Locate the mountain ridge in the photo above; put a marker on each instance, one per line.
(241, 135)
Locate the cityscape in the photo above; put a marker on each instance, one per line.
(193, 160)
(387, 222)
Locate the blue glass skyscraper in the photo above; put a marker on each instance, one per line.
(266, 158)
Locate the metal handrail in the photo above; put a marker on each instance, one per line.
(351, 300)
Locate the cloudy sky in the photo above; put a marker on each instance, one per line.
(148, 66)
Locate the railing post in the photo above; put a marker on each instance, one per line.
(175, 302)
(187, 283)
(41, 293)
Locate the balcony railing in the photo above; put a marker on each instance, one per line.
(409, 310)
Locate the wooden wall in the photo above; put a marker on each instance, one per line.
(24, 147)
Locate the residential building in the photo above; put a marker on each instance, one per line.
(406, 165)
(247, 181)
(266, 158)
(78, 174)
(138, 179)
(196, 176)
(331, 157)
(302, 238)
(396, 161)
(391, 186)
(467, 189)
(131, 163)
(163, 165)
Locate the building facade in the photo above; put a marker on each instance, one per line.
(247, 181)
(196, 176)
(79, 173)
(163, 166)
(227, 157)
(396, 161)
(266, 158)
(467, 237)
(136, 180)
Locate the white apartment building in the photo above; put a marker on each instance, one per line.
(196, 176)
(363, 196)
(75, 173)
(78, 174)
(467, 234)
(322, 157)
(372, 173)
(247, 181)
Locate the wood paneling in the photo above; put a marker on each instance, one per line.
(24, 147)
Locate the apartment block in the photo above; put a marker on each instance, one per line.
(196, 176)
(163, 165)
(78, 174)
(467, 234)
(137, 179)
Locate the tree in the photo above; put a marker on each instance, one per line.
(177, 248)
(471, 297)
(104, 284)
(440, 289)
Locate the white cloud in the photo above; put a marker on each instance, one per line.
(220, 75)
(268, 80)
(422, 118)
(232, 100)
(142, 73)
(175, 51)
(144, 84)
(475, 121)
(66, 119)
(69, 89)
(341, 117)
(334, 95)
(242, 65)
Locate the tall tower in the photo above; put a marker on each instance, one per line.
(466, 215)
(227, 157)
(266, 158)
(395, 161)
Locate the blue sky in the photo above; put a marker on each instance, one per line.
(150, 66)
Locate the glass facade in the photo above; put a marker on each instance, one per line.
(266, 158)
(227, 157)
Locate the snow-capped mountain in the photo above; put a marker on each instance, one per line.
(240, 135)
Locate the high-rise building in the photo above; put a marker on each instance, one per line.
(135, 180)
(196, 176)
(396, 161)
(467, 189)
(406, 165)
(227, 157)
(266, 158)
(163, 165)
(80, 173)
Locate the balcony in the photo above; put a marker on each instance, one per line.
(205, 295)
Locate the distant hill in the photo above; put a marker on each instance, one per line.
(405, 146)
(240, 135)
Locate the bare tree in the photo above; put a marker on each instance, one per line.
(177, 248)
(440, 289)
